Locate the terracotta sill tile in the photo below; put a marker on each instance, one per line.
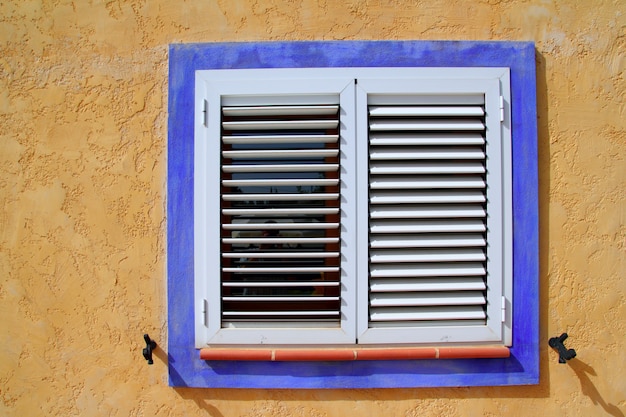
(470, 352)
(314, 355)
(349, 354)
(223, 354)
(396, 353)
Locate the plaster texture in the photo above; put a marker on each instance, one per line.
(83, 111)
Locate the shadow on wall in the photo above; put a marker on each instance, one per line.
(583, 371)
(543, 195)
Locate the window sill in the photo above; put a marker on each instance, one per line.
(352, 354)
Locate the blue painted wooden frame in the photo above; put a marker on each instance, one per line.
(185, 367)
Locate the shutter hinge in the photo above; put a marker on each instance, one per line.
(205, 113)
(501, 109)
(205, 312)
(503, 309)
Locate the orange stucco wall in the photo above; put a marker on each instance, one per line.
(83, 106)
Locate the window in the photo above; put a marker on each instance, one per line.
(352, 206)
(342, 206)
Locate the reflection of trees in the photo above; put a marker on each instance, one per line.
(309, 190)
(313, 188)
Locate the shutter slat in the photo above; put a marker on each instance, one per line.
(258, 284)
(428, 226)
(280, 240)
(279, 226)
(280, 197)
(281, 168)
(279, 314)
(385, 183)
(427, 270)
(426, 139)
(421, 111)
(430, 168)
(429, 313)
(427, 255)
(426, 124)
(280, 255)
(273, 212)
(472, 99)
(277, 154)
(278, 139)
(427, 284)
(279, 270)
(406, 211)
(427, 197)
(281, 182)
(451, 153)
(280, 125)
(428, 299)
(426, 241)
(279, 110)
(245, 299)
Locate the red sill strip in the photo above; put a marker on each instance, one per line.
(348, 354)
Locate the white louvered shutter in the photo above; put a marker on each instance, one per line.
(273, 254)
(435, 236)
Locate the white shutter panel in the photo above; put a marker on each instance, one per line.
(271, 263)
(435, 222)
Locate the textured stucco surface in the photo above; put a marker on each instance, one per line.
(83, 93)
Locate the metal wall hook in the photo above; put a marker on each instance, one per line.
(565, 354)
(150, 346)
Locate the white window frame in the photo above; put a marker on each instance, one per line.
(217, 86)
